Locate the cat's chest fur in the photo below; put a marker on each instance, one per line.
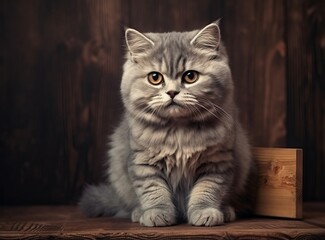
(178, 150)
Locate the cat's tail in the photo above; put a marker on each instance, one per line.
(101, 200)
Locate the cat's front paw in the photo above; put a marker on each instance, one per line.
(206, 217)
(157, 218)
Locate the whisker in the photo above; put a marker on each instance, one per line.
(140, 114)
(213, 114)
(195, 111)
(218, 108)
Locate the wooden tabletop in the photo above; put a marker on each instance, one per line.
(66, 222)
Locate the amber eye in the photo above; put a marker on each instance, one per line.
(190, 76)
(155, 78)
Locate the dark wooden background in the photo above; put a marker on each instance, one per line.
(60, 66)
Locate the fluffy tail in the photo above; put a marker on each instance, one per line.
(100, 200)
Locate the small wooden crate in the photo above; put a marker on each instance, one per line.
(279, 192)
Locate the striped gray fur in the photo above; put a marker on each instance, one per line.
(181, 158)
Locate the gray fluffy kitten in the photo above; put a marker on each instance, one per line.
(180, 153)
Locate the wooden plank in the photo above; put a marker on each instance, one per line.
(254, 37)
(170, 15)
(279, 192)
(65, 222)
(61, 68)
(306, 89)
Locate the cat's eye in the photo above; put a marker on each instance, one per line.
(155, 78)
(190, 76)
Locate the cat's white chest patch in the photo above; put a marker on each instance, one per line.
(177, 157)
(180, 165)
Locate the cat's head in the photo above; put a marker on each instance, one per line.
(176, 75)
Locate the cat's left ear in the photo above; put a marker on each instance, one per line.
(138, 44)
(208, 38)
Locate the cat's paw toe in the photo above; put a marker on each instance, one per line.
(136, 214)
(229, 214)
(206, 217)
(157, 218)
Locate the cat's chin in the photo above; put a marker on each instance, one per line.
(175, 111)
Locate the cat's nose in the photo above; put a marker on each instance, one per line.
(172, 94)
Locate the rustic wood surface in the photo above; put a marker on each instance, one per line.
(61, 64)
(254, 32)
(279, 186)
(66, 222)
(306, 89)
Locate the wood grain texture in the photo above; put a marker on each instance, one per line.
(306, 89)
(62, 65)
(254, 36)
(65, 222)
(279, 192)
(170, 15)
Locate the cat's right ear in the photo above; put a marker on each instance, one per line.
(138, 44)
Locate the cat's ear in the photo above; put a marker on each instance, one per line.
(208, 38)
(138, 44)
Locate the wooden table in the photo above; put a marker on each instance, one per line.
(66, 222)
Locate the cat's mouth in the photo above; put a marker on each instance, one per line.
(173, 104)
(175, 109)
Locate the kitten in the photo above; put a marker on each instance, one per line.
(180, 153)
